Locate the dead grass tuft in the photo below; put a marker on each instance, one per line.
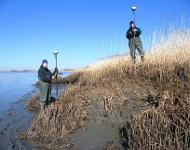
(115, 83)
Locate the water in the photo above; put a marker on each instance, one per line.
(13, 86)
(15, 120)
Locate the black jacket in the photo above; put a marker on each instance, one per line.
(131, 34)
(45, 74)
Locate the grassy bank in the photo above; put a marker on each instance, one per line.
(147, 103)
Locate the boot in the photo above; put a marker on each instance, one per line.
(142, 58)
(133, 60)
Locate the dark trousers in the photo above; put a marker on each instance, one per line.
(135, 43)
(45, 93)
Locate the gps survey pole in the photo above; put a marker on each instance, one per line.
(133, 9)
(55, 54)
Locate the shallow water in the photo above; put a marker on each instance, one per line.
(13, 86)
(15, 90)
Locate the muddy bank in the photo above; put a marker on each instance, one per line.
(141, 106)
(89, 116)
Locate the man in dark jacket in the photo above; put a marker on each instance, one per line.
(45, 78)
(133, 35)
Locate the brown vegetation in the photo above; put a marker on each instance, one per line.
(159, 88)
(34, 103)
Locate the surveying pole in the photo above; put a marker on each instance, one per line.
(55, 54)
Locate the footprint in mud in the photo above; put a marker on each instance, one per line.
(13, 147)
(10, 114)
(8, 125)
(1, 132)
(5, 129)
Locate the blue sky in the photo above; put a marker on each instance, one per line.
(82, 30)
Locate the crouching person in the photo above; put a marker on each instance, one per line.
(45, 78)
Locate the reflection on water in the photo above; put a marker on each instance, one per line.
(13, 86)
(15, 89)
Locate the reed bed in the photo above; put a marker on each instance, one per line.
(166, 69)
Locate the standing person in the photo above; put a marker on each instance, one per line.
(133, 35)
(45, 78)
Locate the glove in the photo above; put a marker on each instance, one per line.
(56, 70)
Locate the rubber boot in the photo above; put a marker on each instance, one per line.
(142, 58)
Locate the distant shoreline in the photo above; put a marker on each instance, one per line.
(61, 72)
(18, 71)
(34, 71)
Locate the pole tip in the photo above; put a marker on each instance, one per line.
(55, 52)
(133, 8)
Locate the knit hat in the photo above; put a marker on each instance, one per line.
(131, 22)
(44, 61)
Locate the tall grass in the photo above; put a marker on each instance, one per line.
(166, 69)
(162, 59)
(166, 127)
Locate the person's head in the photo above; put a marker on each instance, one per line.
(132, 24)
(45, 63)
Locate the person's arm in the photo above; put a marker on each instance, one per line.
(129, 34)
(54, 76)
(138, 31)
(56, 71)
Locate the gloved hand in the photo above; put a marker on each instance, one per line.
(56, 70)
(55, 73)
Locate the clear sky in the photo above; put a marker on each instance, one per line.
(82, 30)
